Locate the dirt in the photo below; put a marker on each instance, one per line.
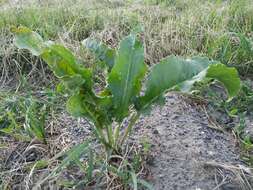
(186, 152)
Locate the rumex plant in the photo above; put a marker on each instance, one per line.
(131, 87)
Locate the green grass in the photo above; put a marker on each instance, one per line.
(221, 30)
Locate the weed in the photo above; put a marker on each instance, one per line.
(22, 117)
(233, 48)
(171, 27)
(126, 70)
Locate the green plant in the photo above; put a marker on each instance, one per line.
(72, 156)
(244, 101)
(123, 96)
(22, 117)
(233, 49)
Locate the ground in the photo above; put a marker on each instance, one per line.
(195, 142)
(187, 152)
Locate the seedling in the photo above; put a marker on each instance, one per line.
(132, 88)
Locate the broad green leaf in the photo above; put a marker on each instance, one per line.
(168, 73)
(27, 39)
(228, 76)
(70, 84)
(75, 106)
(64, 65)
(101, 51)
(187, 85)
(126, 75)
(97, 109)
(60, 59)
(175, 71)
(74, 82)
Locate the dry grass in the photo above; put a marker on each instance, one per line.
(181, 28)
(242, 174)
(25, 162)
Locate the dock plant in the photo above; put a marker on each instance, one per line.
(131, 86)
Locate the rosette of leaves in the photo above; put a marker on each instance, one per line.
(132, 88)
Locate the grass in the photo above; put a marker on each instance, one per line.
(221, 30)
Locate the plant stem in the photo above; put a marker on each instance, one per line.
(133, 119)
(109, 135)
(116, 135)
(98, 130)
(101, 138)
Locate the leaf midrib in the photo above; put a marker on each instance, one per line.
(128, 78)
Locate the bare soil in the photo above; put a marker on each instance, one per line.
(187, 153)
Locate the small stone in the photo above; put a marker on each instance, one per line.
(155, 132)
(148, 127)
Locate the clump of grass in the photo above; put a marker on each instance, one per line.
(22, 117)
